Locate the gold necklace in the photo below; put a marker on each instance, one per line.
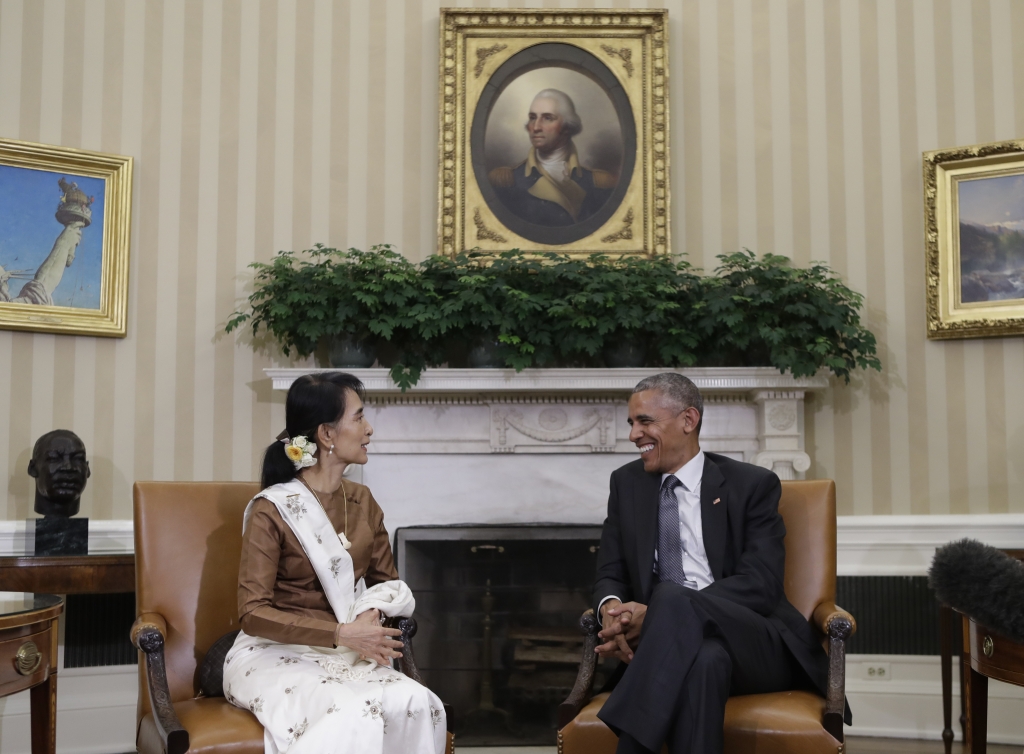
(343, 535)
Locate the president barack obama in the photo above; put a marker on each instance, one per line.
(690, 583)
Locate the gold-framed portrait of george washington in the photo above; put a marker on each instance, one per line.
(554, 132)
(66, 219)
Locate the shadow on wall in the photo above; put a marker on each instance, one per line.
(21, 487)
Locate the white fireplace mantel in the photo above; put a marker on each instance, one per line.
(461, 381)
(751, 413)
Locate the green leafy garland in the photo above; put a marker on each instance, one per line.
(558, 311)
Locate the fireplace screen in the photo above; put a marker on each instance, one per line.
(498, 609)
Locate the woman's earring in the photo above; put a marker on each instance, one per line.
(332, 451)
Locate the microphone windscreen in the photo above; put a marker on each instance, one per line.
(981, 582)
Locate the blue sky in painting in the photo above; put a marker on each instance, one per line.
(28, 228)
(991, 201)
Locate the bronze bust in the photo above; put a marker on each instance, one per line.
(60, 468)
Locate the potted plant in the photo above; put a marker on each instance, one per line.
(291, 301)
(763, 312)
(356, 301)
(521, 310)
(624, 312)
(496, 305)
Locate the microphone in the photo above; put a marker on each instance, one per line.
(981, 582)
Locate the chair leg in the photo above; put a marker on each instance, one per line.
(977, 711)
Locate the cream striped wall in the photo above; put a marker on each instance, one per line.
(260, 125)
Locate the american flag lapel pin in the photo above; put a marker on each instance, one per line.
(717, 501)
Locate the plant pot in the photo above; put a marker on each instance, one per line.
(388, 354)
(486, 355)
(456, 354)
(346, 351)
(626, 354)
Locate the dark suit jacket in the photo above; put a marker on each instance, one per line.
(743, 538)
(522, 203)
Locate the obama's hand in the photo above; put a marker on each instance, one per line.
(621, 624)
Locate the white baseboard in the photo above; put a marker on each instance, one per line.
(908, 704)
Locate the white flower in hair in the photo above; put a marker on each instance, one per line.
(300, 452)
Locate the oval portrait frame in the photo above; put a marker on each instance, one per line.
(561, 55)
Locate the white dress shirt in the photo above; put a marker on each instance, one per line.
(556, 164)
(691, 535)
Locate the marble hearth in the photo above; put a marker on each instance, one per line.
(495, 446)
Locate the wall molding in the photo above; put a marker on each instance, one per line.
(867, 545)
(106, 537)
(905, 545)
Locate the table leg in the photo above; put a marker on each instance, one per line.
(977, 711)
(946, 654)
(959, 638)
(43, 704)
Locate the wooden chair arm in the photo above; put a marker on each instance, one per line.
(148, 620)
(148, 634)
(838, 625)
(826, 612)
(584, 687)
(407, 663)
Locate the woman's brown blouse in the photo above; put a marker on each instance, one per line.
(279, 595)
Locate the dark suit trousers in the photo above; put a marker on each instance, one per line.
(695, 651)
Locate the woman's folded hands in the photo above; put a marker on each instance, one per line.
(369, 638)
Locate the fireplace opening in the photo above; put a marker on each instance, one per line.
(498, 611)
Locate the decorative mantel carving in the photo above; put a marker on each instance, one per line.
(549, 428)
(753, 413)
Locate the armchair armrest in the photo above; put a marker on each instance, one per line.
(407, 663)
(826, 612)
(148, 634)
(838, 625)
(584, 687)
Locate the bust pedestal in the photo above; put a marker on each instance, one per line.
(56, 535)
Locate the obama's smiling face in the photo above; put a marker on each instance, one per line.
(664, 431)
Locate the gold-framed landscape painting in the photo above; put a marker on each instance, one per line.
(65, 225)
(974, 232)
(554, 132)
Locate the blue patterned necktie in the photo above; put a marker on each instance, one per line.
(670, 549)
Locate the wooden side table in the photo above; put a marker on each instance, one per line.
(986, 655)
(28, 659)
(949, 621)
(68, 574)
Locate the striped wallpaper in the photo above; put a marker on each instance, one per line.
(259, 125)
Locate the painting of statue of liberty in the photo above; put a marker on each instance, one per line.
(51, 238)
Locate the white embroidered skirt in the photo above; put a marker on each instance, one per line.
(310, 699)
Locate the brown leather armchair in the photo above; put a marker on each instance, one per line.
(791, 722)
(188, 541)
